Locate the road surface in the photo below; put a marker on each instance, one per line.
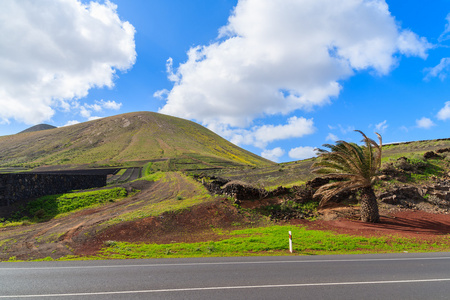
(387, 276)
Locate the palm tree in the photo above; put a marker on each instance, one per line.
(354, 167)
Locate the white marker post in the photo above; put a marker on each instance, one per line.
(290, 242)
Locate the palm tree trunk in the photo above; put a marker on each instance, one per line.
(369, 206)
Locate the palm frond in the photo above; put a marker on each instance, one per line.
(356, 166)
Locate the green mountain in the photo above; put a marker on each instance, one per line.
(127, 139)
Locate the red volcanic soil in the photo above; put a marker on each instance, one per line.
(406, 223)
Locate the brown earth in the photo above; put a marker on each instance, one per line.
(85, 232)
(403, 223)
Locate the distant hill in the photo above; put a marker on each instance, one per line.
(125, 139)
(39, 127)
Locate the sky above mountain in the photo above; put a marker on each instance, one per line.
(278, 78)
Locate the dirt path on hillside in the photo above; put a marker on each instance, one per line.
(59, 237)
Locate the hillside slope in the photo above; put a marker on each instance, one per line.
(118, 140)
(298, 172)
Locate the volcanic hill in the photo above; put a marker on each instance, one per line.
(38, 128)
(122, 140)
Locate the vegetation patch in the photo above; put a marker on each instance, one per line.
(153, 176)
(269, 241)
(47, 207)
(290, 209)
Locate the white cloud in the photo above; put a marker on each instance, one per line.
(84, 112)
(87, 109)
(161, 94)
(446, 34)
(56, 51)
(94, 107)
(331, 137)
(444, 113)
(94, 118)
(274, 154)
(381, 127)
(441, 70)
(411, 44)
(346, 129)
(113, 105)
(261, 136)
(302, 152)
(279, 56)
(72, 122)
(424, 123)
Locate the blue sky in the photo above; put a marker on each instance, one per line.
(278, 78)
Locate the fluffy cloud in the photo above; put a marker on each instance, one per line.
(54, 51)
(381, 127)
(345, 129)
(110, 105)
(276, 57)
(274, 154)
(331, 137)
(446, 34)
(424, 123)
(444, 113)
(261, 136)
(302, 152)
(72, 122)
(86, 110)
(441, 70)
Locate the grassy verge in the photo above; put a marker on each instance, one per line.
(271, 240)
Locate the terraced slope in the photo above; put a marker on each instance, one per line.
(127, 139)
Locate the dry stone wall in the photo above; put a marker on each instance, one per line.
(15, 187)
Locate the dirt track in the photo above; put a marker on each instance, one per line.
(61, 236)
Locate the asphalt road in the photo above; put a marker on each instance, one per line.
(390, 276)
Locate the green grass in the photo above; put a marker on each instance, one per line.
(153, 176)
(271, 240)
(147, 169)
(48, 207)
(4, 244)
(121, 172)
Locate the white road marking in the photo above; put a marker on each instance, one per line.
(231, 288)
(226, 263)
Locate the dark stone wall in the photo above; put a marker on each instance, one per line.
(15, 187)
